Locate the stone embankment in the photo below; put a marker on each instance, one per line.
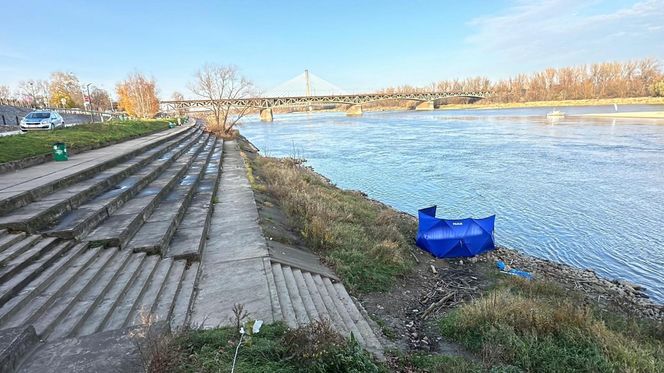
(160, 229)
(629, 298)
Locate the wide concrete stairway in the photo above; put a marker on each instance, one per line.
(165, 230)
(107, 246)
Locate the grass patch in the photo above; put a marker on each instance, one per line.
(83, 136)
(539, 327)
(422, 362)
(367, 243)
(313, 348)
(388, 332)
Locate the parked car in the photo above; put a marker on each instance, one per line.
(42, 120)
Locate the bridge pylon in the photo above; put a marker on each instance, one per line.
(266, 115)
(426, 105)
(354, 110)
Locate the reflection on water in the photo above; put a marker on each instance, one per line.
(588, 192)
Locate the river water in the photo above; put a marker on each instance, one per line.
(586, 192)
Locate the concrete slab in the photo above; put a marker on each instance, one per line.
(228, 283)
(232, 262)
(113, 351)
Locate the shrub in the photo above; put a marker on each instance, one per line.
(318, 348)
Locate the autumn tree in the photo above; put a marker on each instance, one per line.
(35, 91)
(137, 95)
(600, 80)
(222, 84)
(658, 89)
(65, 90)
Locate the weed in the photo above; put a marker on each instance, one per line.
(386, 329)
(313, 348)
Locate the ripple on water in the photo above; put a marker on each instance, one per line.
(584, 192)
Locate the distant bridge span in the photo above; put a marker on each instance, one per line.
(265, 104)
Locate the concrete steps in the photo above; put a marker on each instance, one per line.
(24, 260)
(121, 225)
(90, 290)
(190, 236)
(62, 184)
(86, 216)
(304, 297)
(15, 344)
(155, 234)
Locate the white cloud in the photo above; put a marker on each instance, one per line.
(561, 32)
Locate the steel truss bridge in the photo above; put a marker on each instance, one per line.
(349, 99)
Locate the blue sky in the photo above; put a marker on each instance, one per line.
(357, 45)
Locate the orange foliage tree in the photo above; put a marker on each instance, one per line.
(137, 95)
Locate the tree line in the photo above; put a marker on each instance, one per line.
(137, 95)
(637, 78)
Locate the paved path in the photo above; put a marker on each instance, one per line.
(16, 182)
(235, 261)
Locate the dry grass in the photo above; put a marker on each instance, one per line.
(367, 243)
(540, 328)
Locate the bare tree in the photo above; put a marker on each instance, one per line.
(35, 91)
(5, 92)
(100, 99)
(177, 96)
(222, 84)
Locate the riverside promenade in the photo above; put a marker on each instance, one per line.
(162, 228)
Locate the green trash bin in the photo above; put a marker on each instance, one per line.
(60, 151)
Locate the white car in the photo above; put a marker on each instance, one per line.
(42, 120)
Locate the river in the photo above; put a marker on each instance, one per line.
(586, 192)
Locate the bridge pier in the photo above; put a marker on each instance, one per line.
(354, 110)
(426, 105)
(266, 115)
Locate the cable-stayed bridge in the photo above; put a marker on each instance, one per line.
(307, 89)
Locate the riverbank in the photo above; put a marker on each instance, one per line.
(558, 103)
(416, 306)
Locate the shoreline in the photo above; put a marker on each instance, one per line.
(627, 115)
(614, 294)
(558, 103)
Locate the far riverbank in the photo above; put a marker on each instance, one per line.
(558, 103)
(630, 115)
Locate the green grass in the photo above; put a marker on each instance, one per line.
(539, 327)
(422, 362)
(314, 348)
(367, 243)
(82, 136)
